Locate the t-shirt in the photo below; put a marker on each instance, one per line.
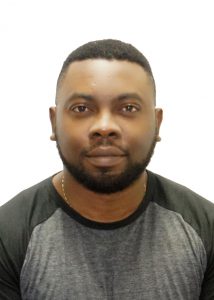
(164, 250)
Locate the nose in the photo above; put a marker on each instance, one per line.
(105, 126)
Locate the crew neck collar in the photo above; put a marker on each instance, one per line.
(110, 225)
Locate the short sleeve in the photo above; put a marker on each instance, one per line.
(9, 282)
(207, 291)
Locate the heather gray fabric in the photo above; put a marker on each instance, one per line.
(163, 251)
(159, 256)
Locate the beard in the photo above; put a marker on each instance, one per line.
(105, 182)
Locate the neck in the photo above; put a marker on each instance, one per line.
(104, 208)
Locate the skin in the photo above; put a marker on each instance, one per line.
(102, 102)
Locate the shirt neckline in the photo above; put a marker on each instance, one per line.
(112, 225)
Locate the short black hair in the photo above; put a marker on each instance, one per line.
(107, 49)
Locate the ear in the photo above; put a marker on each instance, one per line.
(159, 118)
(52, 115)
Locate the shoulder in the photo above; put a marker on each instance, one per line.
(181, 198)
(195, 210)
(18, 218)
(20, 215)
(38, 198)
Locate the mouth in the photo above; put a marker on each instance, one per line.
(105, 156)
(105, 151)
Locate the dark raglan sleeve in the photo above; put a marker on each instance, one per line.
(199, 213)
(207, 291)
(18, 217)
(13, 243)
(9, 279)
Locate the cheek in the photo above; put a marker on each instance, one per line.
(141, 140)
(72, 139)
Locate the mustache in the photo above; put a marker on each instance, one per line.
(101, 143)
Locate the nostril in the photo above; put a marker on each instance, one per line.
(104, 135)
(112, 134)
(96, 134)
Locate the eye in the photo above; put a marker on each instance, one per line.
(80, 109)
(130, 108)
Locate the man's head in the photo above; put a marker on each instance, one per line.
(105, 122)
(110, 50)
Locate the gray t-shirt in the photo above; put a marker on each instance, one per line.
(164, 250)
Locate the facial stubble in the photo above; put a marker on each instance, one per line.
(107, 183)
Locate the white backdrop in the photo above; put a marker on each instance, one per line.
(177, 38)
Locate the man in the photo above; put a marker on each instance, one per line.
(105, 227)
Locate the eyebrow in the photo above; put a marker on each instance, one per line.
(79, 95)
(128, 96)
(88, 97)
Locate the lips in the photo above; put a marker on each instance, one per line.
(105, 156)
(105, 151)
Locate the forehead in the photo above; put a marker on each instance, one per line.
(105, 76)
